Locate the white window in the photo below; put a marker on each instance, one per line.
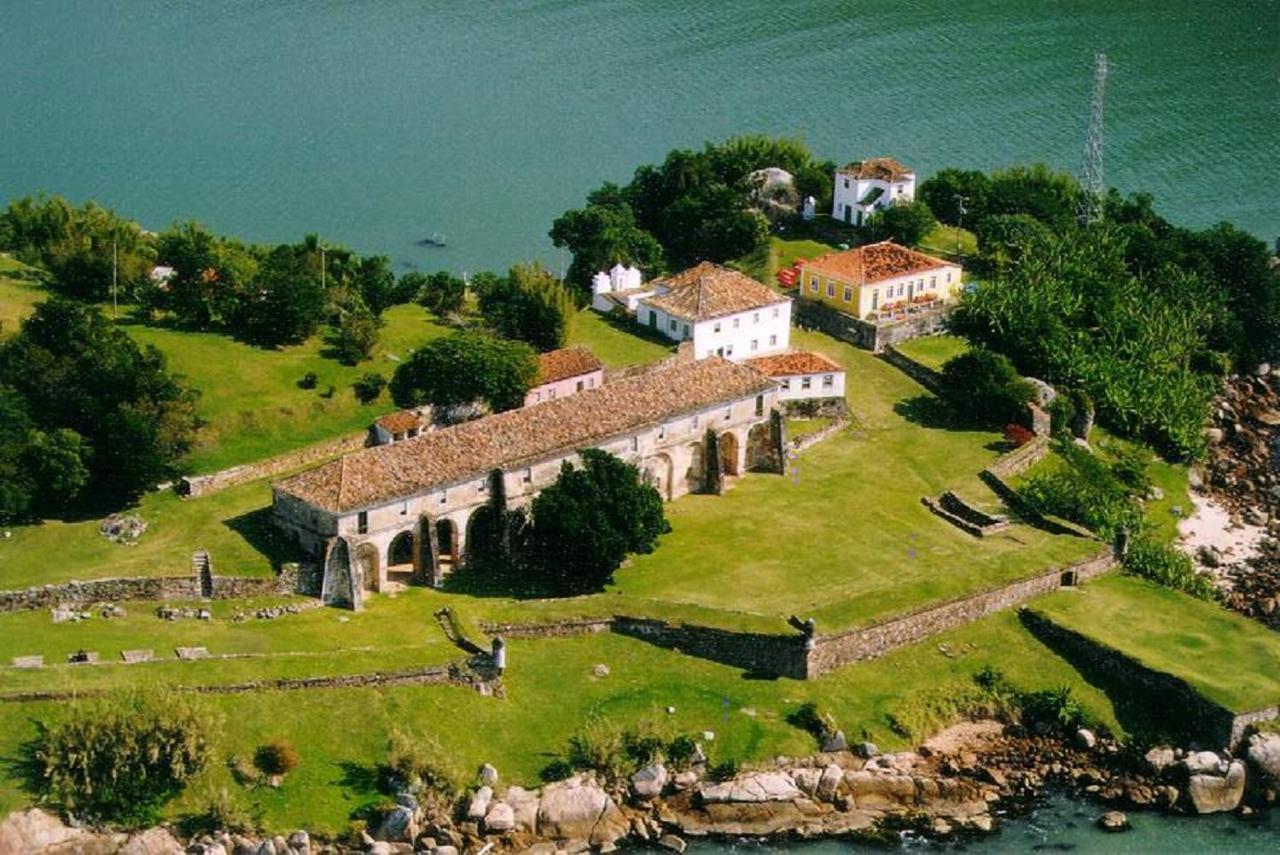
(662, 431)
(848, 294)
(551, 393)
(813, 284)
(728, 351)
(483, 486)
(362, 522)
(404, 508)
(635, 443)
(755, 344)
(694, 424)
(735, 322)
(846, 184)
(686, 330)
(773, 339)
(755, 318)
(591, 382)
(444, 496)
(716, 328)
(901, 188)
(775, 311)
(933, 282)
(831, 289)
(580, 386)
(805, 382)
(948, 277)
(786, 384)
(828, 380)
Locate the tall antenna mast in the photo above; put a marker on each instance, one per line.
(1091, 181)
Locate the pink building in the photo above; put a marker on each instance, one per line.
(564, 372)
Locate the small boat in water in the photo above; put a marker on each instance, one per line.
(436, 239)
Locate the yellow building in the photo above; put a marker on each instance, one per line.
(879, 281)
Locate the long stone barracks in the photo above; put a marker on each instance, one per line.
(407, 512)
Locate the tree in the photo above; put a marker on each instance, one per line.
(464, 368)
(376, 283)
(1046, 194)
(603, 234)
(530, 305)
(17, 486)
(906, 223)
(210, 277)
(985, 387)
(369, 386)
(442, 293)
(73, 370)
(949, 189)
(355, 335)
(585, 524)
(285, 305)
(120, 759)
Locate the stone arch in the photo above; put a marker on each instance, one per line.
(697, 471)
(447, 543)
(761, 456)
(400, 557)
(729, 454)
(658, 472)
(482, 533)
(369, 564)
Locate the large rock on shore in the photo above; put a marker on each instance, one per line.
(1212, 794)
(524, 807)
(1264, 754)
(754, 787)
(577, 809)
(873, 791)
(37, 830)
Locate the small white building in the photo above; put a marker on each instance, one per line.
(565, 372)
(721, 311)
(802, 375)
(399, 426)
(865, 186)
(621, 287)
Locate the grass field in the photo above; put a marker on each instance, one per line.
(615, 347)
(18, 296)
(935, 350)
(949, 240)
(778, 254)
(1227, 658)
(551, 692)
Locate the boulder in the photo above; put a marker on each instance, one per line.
(649, 782)
(672, 843)
(866, 750)
(754, 787)
(577, 809)
(806, 779)
(500, 818)
(685, 780)
(1211, 794)
(835, 742)
(879, 791)
(300, 840)
(153, 841)
(36, 830)
(829, 782)
(1085, 739)
(1204, 763)
(1264, 754)
(1113, 820)
(1160, 758)
(397, 825)
(488, 775)
(479, 805)
(524, 807)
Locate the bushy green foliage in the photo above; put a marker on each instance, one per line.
(89, 416)
(308, 380)
(441, 293)
(529, 305)
(218, 811)
(903, 222)
(354, 335)
(1167, 565)
(121, 758)
(278, 757)
(983, 386)
(369, 386)
(950, 189)
(602, 234)
(78, 246)
(419, 759)
(1055, 709)
(1084, 490)
(931, 709)
(465, 367)
(598, 746)
(585, 524)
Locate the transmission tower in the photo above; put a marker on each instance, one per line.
(1091, 182)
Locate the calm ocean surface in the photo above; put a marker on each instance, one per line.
(378, 123)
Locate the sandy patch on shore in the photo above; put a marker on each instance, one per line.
(1211, 526)
(964, 736)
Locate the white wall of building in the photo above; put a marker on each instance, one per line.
(744, 335)
(850, 191)
(805, 387)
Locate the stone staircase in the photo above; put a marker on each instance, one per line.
(202, 567)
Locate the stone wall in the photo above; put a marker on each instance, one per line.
(917, 371)
(201, 485)
(865, 334)
(774, 655)
(832, 651)
(292, 578)
(1152, 699)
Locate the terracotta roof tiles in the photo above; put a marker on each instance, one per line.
(381, 474)
(792, 364)
(567, 362)
(708, 291)
(399, 422)
(874, 262)
(877, 168)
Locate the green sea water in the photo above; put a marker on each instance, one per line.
(378, 123)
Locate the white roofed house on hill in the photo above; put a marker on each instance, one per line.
(866, 186)
(619, 287)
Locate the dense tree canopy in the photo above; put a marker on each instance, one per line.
(530, 305)
(463, 368)
(89, 416)
(906, 223)
(441, 293)
(985, 387)
(584, 525)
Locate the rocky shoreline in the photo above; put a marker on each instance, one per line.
(956, 785)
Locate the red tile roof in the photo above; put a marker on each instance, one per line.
(791, 364)
(878, 168)
(708, 291)
(567, 362)
(874, 262)
(381, 474)
(399, 422)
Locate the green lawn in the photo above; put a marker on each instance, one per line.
(949, 240)
(933, 351)
(18, 296)
(1230, 659)
(615, 346)
(233, 525)
(778, 254)
(550, 692)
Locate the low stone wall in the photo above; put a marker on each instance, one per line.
(832, 651)
(1155, 700)
(964, 516)
(553, 629)
(1020, 459)
(775, 655)
(819, 435)
(201, 485)
(291, 579)
(864, 334)
(917, 371)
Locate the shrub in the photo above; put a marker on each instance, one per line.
(599, 745)
(308, 380)
(724, 770)
(276, 758)
(983, 386)
(681, 750)
(119, 759)
(368, 387)
(1084, 491)
(808, 717)
(419, 759)
(1056, 709)
(1130, 468)
(219, 811)
(1167, 565)
(556, 770)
